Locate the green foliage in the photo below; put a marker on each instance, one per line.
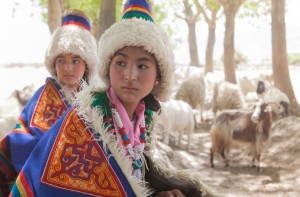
(255, 8)
(213, 5)
(239, 58)
(91, 7)
(119, 8)
(294, 59)
(44, 5)
(162, 13)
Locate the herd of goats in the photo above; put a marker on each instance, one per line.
(240, 112)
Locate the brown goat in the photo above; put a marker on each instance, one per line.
(245, 126)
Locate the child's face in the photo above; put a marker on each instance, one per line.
(133, 73)
(70, 69)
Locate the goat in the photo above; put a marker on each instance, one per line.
(252, 127)
(261, 88)
(177, 115)
(192, 91)
(227, 95)
(267, 93)
(247, 85)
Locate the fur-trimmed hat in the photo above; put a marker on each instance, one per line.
(137, 28)
(73, 36)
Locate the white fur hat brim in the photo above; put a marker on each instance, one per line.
(76, 40)
(139, 33)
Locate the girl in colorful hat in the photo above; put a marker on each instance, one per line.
(71, 58)
(105, 145)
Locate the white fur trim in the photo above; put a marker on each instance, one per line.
(76, 40)
(93, 117)
(139, 33)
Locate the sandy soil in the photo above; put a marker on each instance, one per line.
(279, 174)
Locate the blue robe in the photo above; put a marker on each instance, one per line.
(69, 161)
(80, 155)
(45, 107)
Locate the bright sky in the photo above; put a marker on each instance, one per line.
(24, 37)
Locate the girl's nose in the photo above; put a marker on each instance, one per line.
(131, 73)
(68, 66)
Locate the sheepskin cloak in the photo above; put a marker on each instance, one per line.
(80, 156)
(37, 116)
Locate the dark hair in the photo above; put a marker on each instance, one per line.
(84, 78)
(151, 103)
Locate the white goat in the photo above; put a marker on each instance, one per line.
(247, 85)
(177, 115)
(192, 91)
(13, 105)
(274, 94)
(227, 96)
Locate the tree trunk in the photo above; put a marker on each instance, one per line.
(193, 44)
(107, 16)
(54, 14)
(230, 9)
(279, 54)
(209, 56)
(229, 66)
(211, 23)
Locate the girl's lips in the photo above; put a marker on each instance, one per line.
(129, 88)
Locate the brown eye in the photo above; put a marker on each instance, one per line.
(142, 66)
(120, 63)
(60, 61)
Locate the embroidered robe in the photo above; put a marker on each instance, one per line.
(38, 115)
(80, 156)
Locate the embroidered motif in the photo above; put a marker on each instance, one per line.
(79, 164)
(50, 107)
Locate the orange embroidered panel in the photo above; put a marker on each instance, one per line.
(49, 108)
(78, 163)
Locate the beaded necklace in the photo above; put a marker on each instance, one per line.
(137, 164)
(122, 130)
(110, 113)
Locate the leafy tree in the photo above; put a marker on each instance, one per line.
(211, 7)
(91, 7)
(191, 17)
(256, 9)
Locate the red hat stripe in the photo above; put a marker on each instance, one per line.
(76, 23)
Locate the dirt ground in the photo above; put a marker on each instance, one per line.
(279, 173)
